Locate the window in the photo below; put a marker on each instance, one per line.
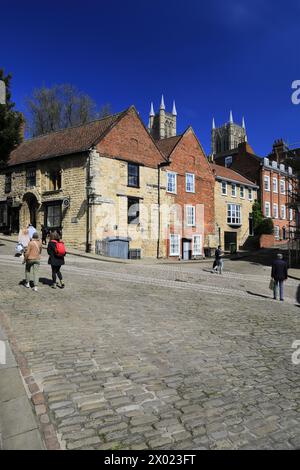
(275, 211)
(233, 190)
(197, 245)
(7, 183)
(267, 209)
(250, 194)
(275, 185)
(30, 177)
(190, 182)
(53, 215)
(54, 180)
(228, 162)
(224, 188)
(291, 214)
(133, 210)
(283, 212)
(3, 215)
(267, 183)
(171, 182)
(190, 216)
(282, 186)
(234, 214)
(242, 192)
(174, 245)
(277, 232)
(133, 175)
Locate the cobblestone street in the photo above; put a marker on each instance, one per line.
(142, 356)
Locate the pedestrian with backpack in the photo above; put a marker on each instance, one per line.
(57, 252)
(32, 261)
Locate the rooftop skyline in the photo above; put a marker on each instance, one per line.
(209, 58)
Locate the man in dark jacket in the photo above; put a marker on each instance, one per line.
(279, 274)
(54, 260)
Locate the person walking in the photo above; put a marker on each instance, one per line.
(44, 234)
(279, 274)
(56, 251)
(32, 258)
(218, 263)
(31, 230)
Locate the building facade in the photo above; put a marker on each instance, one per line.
(234, 197)
(275, 181)
(189, 190)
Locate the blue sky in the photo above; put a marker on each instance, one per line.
(210, 56)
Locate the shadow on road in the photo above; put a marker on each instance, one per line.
(258, 295)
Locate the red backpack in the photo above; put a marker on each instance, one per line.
(60, 249)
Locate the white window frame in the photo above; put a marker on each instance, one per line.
(172, 174)
(190, 217)
(200, 251)
(193, 182)
(177, 253)
(283, 211)
(225, 184)
(233, 189)
(282, 182)
(275, 211)
(277, 232)
(267, 179)
(275, 186)
(291, 214)
(239, 212)
(250, 194)
(242, 196)
(267, 206)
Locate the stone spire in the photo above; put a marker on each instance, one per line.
(152, 110)
(230, 117)
(243, 123)
(162, 103)
(213, 123)
(174, 110)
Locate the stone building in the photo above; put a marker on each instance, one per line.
(189, 184)
(227, 137)
(162, 125)
(97, 181)
(234, 198)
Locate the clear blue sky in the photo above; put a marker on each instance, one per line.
(210, 56)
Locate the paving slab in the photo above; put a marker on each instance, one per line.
(11, 385)
(30, 440)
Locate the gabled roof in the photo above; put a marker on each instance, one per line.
(221, 172)
(166, 146)
(64, 142)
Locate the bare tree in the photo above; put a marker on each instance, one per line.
(60, 107)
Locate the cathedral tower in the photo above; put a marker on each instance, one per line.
(162, 125)
(228, 136)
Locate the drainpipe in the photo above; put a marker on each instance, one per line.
(89, 208)
(160, 165)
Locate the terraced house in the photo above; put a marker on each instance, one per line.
(93, 182)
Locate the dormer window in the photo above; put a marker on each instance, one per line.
(228, 162)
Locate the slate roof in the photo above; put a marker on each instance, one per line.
(230, 175)
(67, 141)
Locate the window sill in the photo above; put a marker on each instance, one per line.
(54, 191)
(131, 186)
(234, 225)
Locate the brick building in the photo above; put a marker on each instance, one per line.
(234, 198)
(275, 181)
(189, 184)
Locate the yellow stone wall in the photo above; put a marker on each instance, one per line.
(221, 212)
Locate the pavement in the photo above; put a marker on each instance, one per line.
(18, 424)
(156, 356)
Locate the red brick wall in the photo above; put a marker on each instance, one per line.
(130, 140)
(188, 157)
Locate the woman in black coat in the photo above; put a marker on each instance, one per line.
(55, 261)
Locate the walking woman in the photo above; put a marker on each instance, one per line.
(56, 251)
(32, 258)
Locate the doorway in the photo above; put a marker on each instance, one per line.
(186, 249)
(229, 238)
